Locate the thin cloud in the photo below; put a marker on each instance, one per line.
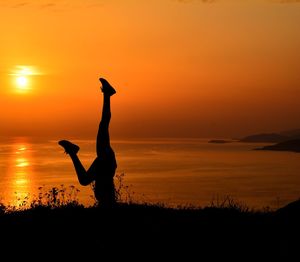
(46, 4)
(62, 4)
(21, 4)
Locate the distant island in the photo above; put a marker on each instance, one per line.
(284, 141)
(264, 138)
(272, 137)
(220, 141)
(290, 145)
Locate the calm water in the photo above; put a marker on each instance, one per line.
(170, 171)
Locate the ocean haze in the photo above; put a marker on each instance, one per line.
(173, 171)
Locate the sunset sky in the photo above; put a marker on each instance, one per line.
(219, 68)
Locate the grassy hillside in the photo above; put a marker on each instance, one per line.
(143, 231)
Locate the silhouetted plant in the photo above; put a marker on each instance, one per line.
(56, 197)
(229, 202)
(2, 208)
(93, 196)
(123, 192)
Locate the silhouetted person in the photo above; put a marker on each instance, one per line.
(103, 169)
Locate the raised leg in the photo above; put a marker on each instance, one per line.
(104, 186)
(103, 139)
(103, 147)
(84, 177)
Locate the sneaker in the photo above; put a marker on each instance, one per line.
(69, 147)
(106, 87)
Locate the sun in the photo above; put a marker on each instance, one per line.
(22, 82)
(23, 77)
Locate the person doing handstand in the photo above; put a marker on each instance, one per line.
(103, 168)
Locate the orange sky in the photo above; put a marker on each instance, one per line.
(181, 68)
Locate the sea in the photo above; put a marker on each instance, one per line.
(171, 172)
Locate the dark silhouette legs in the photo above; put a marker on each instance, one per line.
(84, 177)
(104, 183)
(102, 170)
(103, 140)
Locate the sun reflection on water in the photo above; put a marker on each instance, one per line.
(20, 171)
(22, 162)
(21, 181)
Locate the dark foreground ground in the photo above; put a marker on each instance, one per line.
(141, 232)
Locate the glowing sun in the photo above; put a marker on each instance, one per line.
(22, 82)
(23, 78)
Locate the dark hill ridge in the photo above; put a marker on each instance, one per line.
(290, 145)
(272, 137)
(264, 138)
(220, 141)
(141, 231)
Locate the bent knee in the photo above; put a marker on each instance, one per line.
(84, 182)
